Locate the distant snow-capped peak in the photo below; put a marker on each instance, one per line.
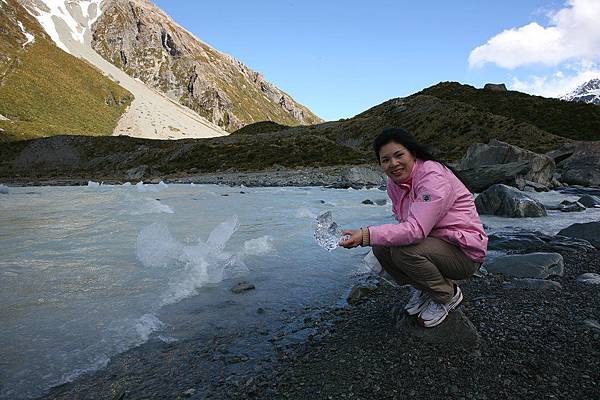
(64, 18)
(589, 92)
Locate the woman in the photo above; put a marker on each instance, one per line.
(439, 237)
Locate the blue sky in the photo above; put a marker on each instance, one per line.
(340, 58)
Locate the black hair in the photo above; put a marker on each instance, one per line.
(400, 136)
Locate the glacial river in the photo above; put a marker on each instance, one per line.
(89, 272)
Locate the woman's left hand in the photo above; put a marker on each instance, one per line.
(354, 240)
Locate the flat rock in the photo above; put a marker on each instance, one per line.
(589, 231)
(533, 284)
(243, 287)
(506, 201)
(534, 241)
(532, 265)
(359, 292)
(482, 177)
(456, 331)
(589, 278)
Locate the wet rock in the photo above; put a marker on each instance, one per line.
(589, 201)
(381, 202)
(189, 392)
(456, 331)
(367, 201)
(243, 287)
(359, 292)
(589, 231)
(533, 284)
(532, 265)
(506, 201)
(589, 278)
(495, 87)
(535, 241)
(571, 206)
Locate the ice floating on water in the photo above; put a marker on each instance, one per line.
(93, 185)
(126, 184)
(162, 185)
(259, 246)
(3, 189)
(193, 265)
(327, 232)
(146, 188)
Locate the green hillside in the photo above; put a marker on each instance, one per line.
(571, 120)
(45, 91)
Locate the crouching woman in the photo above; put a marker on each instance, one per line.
(439, 237)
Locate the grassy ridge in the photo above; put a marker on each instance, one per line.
(572, 120)
(46, 91)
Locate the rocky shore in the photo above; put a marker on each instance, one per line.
(534, 342)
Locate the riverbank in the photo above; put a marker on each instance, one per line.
(535, 344)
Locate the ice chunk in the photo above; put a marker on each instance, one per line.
(162, 185)
(93, 185)
(221, 234)
(156, 247)
(126, 184)
(3, 189)
(327, 232)
(259, 246)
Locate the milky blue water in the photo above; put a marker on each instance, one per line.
(89, 272)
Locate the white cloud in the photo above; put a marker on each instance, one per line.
(558, 83)
(573, 34)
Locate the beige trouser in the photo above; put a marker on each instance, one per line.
(431, 265)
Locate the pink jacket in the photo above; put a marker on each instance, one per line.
(433, 202)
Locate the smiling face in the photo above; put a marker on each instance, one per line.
(397, 162)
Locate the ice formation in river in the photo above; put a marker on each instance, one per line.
(327, 232)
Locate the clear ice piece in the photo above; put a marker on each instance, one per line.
(327, 232)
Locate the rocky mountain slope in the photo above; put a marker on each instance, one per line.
(45, 91)
(141, 39)
(589, 92)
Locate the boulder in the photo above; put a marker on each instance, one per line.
(242, 287)
(589, 231)
(589, 278)
(535, 241)
(571, 206)
(541, 166)
(359, 292)
(456, 331)
(583, 166)
(482, 177)
(532, 265)
(506, 201)
(495, 87)
(363, 176)
(589, 201)
(532, 284)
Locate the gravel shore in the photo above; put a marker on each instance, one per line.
(536, 344)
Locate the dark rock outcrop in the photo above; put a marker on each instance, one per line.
(529, 242)
(589, 231)
(532, 265)
(506, 201)
(541, 167)
(495, 87)
(583, 166)
(482, 177)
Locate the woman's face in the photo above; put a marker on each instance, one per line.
(397, 161)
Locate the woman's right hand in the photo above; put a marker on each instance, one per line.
(352, 238)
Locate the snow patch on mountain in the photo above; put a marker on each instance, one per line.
(29, 36)
(588, 92)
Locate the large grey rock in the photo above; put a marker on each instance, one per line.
(589, 278)
(532, 265)
(583, 166)
(589, 201)
(363, 176)
(506, 201)
(541, 166)
(589, 231)
(529, 242)
(533, 284)
(456, 331)
(482, 177)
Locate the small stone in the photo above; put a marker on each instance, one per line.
(360, 291)
(368, 201)
(589, 278)
(189, 392)
(243, 287)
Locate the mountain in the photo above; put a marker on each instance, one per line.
(448, 126)
(142, 40)
(45, 91)
(588, 92)
(573, 120)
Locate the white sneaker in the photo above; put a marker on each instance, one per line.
(435, 313)
(417, 302)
